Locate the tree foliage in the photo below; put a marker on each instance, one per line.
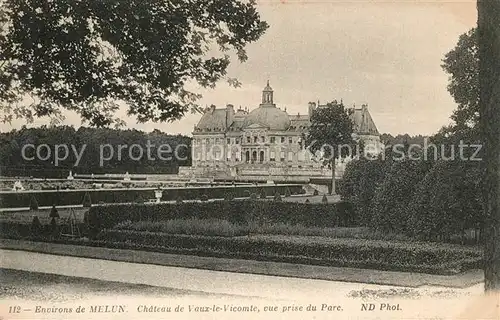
(90, 56)
(329, 136)
(90, 140)
(462, 65)
(392, 196)
(331, 127)
(360, 180)
(447, 201)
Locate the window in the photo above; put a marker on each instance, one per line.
(263, 139)
(207, 140)
(282, 139)
(282, 156)
(228, 141)
(217, 140)
(237, 141)
(290, 156)
(255, 139)
(290, 140)
(273, 139)
(272, 156)
(248, 139)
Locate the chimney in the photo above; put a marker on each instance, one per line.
(311, 108)
(229, 114)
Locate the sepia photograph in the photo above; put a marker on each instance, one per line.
(274, 159)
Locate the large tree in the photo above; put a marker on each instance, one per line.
(489, 102)
(462, 65)
(330, 134)
(90, 56)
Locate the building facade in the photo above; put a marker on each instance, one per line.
(265, 143)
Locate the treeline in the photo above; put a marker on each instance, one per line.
(388, 139)
(135, 160)
(428, 198)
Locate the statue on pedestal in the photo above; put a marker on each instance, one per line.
(158, 194)
(18, 186)
(70, 177)
(126, 177)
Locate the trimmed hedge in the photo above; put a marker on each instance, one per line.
(75, 197)
(240, 212)
(381, 255)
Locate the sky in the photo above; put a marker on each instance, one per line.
(386, 54)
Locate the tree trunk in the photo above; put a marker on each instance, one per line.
(489, 102)
(334, 191)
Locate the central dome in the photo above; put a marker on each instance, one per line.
(273, 118)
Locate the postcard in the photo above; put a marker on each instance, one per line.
(275, 159)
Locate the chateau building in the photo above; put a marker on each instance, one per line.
(265, 143)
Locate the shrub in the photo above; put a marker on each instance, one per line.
(324, 199)
(140, 200)
(263, 194)
(87, 201)
(228, 196)
(447, 201)
(253, 196)
(54, 228)
(307, 201)
(246, 193)
(94, 222)
(53, 212)
(391, 199)
(204, 197)
(315, 192)
(287, 192)
(358, 185)
(36, 226)
(179, 200)
(277, 197)
(33, 204)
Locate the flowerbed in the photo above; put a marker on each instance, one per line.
(382, 255)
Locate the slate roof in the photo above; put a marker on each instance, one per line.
(363, 122)
(214, 120)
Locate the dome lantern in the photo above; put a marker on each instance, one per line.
(267, 96)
